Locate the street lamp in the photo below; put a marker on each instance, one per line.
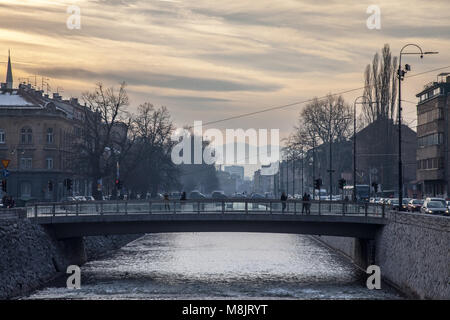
(401, 76)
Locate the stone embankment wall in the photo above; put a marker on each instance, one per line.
(30, 257)
(412, 251)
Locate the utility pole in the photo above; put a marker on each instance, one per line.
(401, 75)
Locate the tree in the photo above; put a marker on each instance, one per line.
(320, 123)
(380, 87)
(151, 168)
(105, 136)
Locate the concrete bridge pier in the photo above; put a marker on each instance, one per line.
(74, 250)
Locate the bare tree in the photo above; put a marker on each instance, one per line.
(380, 87)
(105, 134)
(151, 167)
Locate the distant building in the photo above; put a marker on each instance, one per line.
(433, 165)
(264, 183)
(235, 170)
(377, 156)
(36, 135)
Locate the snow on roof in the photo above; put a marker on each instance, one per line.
(12, 99)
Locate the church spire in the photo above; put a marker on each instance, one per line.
(9, 77)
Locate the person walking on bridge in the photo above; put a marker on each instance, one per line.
(166, 202)
(283, 201)
(304, 204)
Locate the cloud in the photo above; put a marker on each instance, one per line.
(155, 79)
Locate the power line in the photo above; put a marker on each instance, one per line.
(310, 100)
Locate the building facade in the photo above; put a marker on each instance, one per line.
(36, 136)
(433, 164)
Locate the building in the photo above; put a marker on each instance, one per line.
(433, 164)
(377, 156)
(264, 183)
(235, 170)
(36, 134)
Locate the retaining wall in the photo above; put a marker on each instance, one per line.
(412, 251)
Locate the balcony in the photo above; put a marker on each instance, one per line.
(430, 174)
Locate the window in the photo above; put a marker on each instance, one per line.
(25, 189)
(26, 163)
(2, 136)
(26, 135)
(431, 140)
(50, 135)
(49, 163)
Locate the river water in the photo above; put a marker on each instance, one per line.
(220, 266)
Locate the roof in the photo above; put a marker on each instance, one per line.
(12, 98)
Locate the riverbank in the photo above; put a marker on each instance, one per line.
(411, 251)
(31, 257)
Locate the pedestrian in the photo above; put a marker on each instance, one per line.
(308, 203)
(283, 199)
(166, 202)
(304, 204)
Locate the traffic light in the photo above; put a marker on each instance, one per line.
(68, 184)
(50, 185)
(317, 184)
(375, 186)
(342, 183)
(4, 185)
(118, 184)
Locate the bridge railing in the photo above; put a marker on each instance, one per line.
(218, 206)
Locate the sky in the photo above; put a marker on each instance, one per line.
(209, 60)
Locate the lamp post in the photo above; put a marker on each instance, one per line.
(401, 76)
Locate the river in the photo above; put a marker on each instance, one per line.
(219, 266)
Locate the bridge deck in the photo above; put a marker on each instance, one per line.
(97, 218)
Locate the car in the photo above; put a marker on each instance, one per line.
(435, 207)
(394, 203)
(68, 199)
(218, 195)
(80, 198)
(415, 205)
(195, 194)
(89, 198)
(239, 195)
(257, 196)
(405, 202)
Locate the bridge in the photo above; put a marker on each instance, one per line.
(79, 219)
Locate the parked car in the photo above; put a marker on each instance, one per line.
(394, 203)
(405, 202)
(438, 206)
(89, 198)
(415, 205)
(218, 195)
(196, 195)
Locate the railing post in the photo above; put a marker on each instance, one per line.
(270, 205)
(295, 207)
(365, 209)
(198, 207)
(76, 209)
(101, 208)
(223, 206)
(382, 210)
(126, 207)
(150, 207)
(319, 206)
(117, 206)
(175, 207)
(246, 207)
(35, 211)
